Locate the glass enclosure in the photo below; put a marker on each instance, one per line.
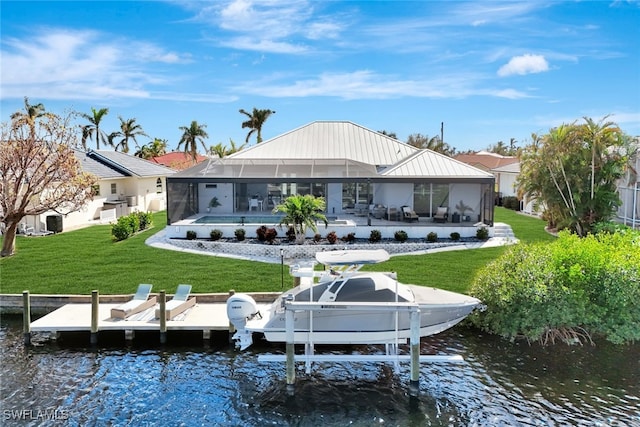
(356, 193)
(263, 197)
(427, 198)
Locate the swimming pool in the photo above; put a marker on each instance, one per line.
(251, 219)
(238, 219)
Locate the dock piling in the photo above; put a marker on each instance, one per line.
(414, 382)
(290, 349)
(95, 302)
(163, 317)
(26, 318)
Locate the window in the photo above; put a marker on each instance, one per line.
(158, 185)
(95, 189)
(114, 189)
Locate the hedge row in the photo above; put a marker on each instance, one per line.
(130, 224)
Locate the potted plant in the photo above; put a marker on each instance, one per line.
(213, 203)
(462, 209)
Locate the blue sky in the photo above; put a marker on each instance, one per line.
(489, 70)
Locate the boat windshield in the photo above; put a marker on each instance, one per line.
(364, 289)
(318, 290)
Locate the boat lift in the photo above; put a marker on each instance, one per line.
(391, 348)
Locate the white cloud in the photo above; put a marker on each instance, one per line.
(277, 26)
(365, 84)
(63, 64)
(524, 64)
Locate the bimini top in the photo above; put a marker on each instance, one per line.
(352, 257)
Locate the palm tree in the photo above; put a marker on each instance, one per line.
(93, 128)
(129, 129)
(190, 137)
(434, 144)
(222, 150)
(32, 112)
(255, 122)
(156, 148)
(302, 212)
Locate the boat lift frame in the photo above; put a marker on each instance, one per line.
(391, 356)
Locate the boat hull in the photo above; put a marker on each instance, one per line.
(340, 326)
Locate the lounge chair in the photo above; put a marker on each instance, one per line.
(139, 302)
(409, 214)
(179, 304)
(442, 214)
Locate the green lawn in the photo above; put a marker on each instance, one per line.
(79, 261)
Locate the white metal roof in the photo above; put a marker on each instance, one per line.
(429, 164)
(331, 140)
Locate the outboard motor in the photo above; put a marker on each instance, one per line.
(240, 309)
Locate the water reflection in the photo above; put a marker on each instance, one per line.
(500, 383)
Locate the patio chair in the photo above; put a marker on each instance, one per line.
(139, 302)
(409, 214)
(179, 304)
(442, 214)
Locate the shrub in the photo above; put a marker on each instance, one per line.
(401, 236)
(121, 230)
(145, 219)
(455, 236)
(349, 238)
(191, 235)
(375, 236)
(332, 237)
(261, 232)
(482, 233)
(270, 235)
(433, 237)
(566, 290)
(511, 202)
(215, 234)
(240, 234)
(127, 226)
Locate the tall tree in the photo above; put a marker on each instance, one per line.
(434, 144)
(573, 170)
(129, 129)
(191, 135)
(39, 172)
(93, 128)
(30, 115)
(255, 122)
(389, 134)
(223, 151)
(504, 150)
(155, 148)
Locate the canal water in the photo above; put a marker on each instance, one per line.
(189, 383)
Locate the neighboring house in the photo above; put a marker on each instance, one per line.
(629, 191)
(178, 160)
(125, 184)
(356, 169)
(490, 162)
(507, 176)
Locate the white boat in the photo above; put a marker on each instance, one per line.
(343, 298)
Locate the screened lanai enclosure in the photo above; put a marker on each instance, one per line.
(252, 187)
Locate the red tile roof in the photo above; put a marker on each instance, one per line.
(486, 161)
(177, 160)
